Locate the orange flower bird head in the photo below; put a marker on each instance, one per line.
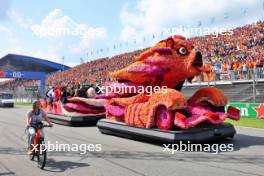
(169, 63)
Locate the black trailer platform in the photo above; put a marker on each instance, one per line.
(199, 134)
(76, 121)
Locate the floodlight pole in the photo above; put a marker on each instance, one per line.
(254, 86)
(63, 63)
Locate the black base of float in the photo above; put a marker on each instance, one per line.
(76, 121)
(199, 134)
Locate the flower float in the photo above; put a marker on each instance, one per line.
(167, 64)
(163, 69)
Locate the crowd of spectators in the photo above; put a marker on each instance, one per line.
(236, 56)
(17, 84)
(91, 72)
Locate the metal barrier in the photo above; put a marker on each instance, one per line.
(252, 89)
(22, 95)
(247, 83)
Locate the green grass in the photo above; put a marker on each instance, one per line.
(23, 104)
(248, 122)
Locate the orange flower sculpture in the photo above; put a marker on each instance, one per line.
(166, 65)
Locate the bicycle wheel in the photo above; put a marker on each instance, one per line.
(32, 155)
(42, 156)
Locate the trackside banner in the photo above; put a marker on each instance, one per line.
(250, 110)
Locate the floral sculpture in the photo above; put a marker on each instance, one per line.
(164, 68)
(167, 64)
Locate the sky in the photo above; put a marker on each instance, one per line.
(71, 32)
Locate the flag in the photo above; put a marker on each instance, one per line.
(212, 20)
(81, 60)
(244, 11)
(199, 24)
(226, 16)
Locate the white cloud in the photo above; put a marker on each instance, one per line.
(54, 45)
(4, 7)
(128, 32)
(11, 43)
(20, 19)
(145, 17)
(58, 25)
(68, 37)
(4, 31)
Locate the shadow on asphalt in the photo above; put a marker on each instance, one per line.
(6, 173)
(246, 143)
(241, 141)
(61, 166)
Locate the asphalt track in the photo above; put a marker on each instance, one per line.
(121, 156)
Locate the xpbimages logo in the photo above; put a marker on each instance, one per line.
(121, 88)
(60, 147)
(189, 147)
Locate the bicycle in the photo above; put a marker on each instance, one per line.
(38, 145)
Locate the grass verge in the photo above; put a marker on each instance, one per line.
(23, 104)
(248, 122)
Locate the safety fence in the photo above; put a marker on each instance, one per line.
(239, 85)
(246, 85)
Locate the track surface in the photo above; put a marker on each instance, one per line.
(121, 156)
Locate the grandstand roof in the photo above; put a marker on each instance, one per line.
(16, 62)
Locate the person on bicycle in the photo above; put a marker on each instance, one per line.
(34, 116)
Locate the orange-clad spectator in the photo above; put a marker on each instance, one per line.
(235, 67)
(224, 67)
(251, 65)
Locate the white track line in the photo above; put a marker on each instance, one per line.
(250, 128)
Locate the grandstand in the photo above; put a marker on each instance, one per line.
(241, 52)
(16, 62)
(231, 59)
